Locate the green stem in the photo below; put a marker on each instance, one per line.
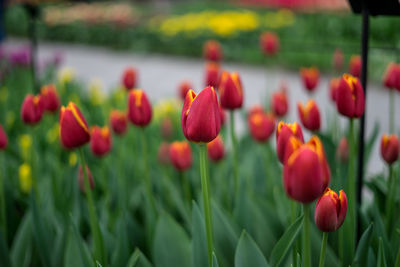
(99, 252)
(293, 218)
(268, 176)
(341, 244)
(306, 237)
(3, 200)
(323, 249)
(390, 199)
(147, 178)
(33, 165)
(206, 200)
(397, 264)
(391, 111)
(235, 156)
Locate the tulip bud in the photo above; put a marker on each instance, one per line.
(279, 103)
(342, 152)
(355, 66)
(100, 141)
(269, 43)
(330, 210)
(212, 74)
(74, 131)
(306, 172)
(180, 154)
(212, 50)
(32, 109)
(310, 77)
(215, 149)
(309, 115)
(291, 146)
(3, 138)
(392, 76)
(167, 128)
(81, 177)
(184, 87)
(338, 58)
(283, 133)
(49, 95)
(333, 86)
(201, 116)
(129, 78)
(255, 109)
(390, 148)
(25, 178)
(118, 121)
(163, 153)
(350, 97)
(261, 125)
(230, 90)
(139, 108)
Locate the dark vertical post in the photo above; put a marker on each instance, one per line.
(33, 15)
(364, 70)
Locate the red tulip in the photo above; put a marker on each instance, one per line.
(390, 148)
(230, 90)
(309, 115)
(255, 109)
(350, 97)
(167, 128)
(118, 121)
(333, 86)
(201, 117)
(338, 58)
(74, 130)
(269, 43)
(215, 149)
(306, 172)
(81, 177)
(261, 125)
(3, 138)
(100, 142)
(180, 155)
(139, 108)
(212, 50)
(32, 109)
(391, 78)
(283, 133)
(129, 78)
(163, 153)
(184, 87)
(212, 74)
(342, 152)
(355, 66)
(279, 103)
(291, 146)
(310, 77)
(330, 210)
(50, 98)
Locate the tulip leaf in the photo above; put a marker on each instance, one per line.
(21, 250)
(137, 259)
(122, 249)
(248, 253)
(214, 261)
(361, 256)
(4, 255)
(381, 262)
(59, 247)
(381, 232)
(371, 141)
(199, 243)
(331, 260)
(77, 253)
(286, 242)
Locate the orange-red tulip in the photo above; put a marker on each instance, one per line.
(330, 210)
(355, 66)
(3, 138)
(333, 86)
(291, 146)
(118, 121)
(216, 149)
(350, 97)
(74, 131)
(163, 153)
(212, 74)
(390, 148)
(230, 90)
(201, 116)
(255, 109)
(338, 59)
(183, 88)
(269, 43)
(100, 142)
(279, 103)
(283, 132)
(342, 152)
(391, 79)
(309, 115)
(212, 50)
(261, 125)
(180, 154)
(129, 78)
(310, 78)
(81, 177)
(139, 108)
(49, 95)
(32, 109)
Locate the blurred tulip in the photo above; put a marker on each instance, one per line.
(223, 115)
(350, 97)
(390, 148)
(216, 149)
(167, 128)
(391, 78)
(283, 133)
(118, 121)
(310, 77)
(261, 125)
(309, 115)
(129, 78)
(100, 141)
(81, 177)
(25, 178)
(330, 210)
(66, 75)
(163, 153)
(180, 154)
(291, 146)
(342, 152)
(230, 90)
(333, 86)
(355, 66)
(74, 130)
(201, 117)
(212, 74)
(49, 95)
(3, 138)
(32, 109)
(212, 50)
(269, 43)
(279, 103)
(338, 59)
(184, 87)
(255, 109)
(139, 108)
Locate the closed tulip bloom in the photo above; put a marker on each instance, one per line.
(49, 95)
(330, 210)
(291, 146)
(283, 133)
(180, 154)
(333, 86)
(342, 152)
(212, 50)
(100, 142)
(310, 78)
(261, 125)
(338, 59)
(309, 115)
(212, 74)
(32, 109)
(139, 108)
(355, 66)
(306, 172)
(279, 103)
(129, 78)
(163, 153)
(350, 97)
(390, 148)
(74, 131)
(216, 149)
(3, 138)
(392, 76)
(118, 121)
(255, 109)
(183, 88)
(201, 117)
(230, 91)
(269, 43)
(81, 177)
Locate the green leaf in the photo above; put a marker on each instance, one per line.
(134, 258)
(371, 141)
(361, 256)
(137, 259)
(21, 250)
(4, 255)
(248, 253)
(199, 243)
(381, 232)
(381, 262)
(286, 242)
(214, 261)
(122, 249)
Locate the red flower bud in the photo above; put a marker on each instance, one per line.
(100, 142)
(201, 116)
(215, 149)
(255, 109)
(212, 74)
(212, 50)
(269, 43)
(309, 115)
(391, 79)
(230, 90)
(306, 172)
(184, 87)
(333, 86)
(330, 210)
(310, 77)
(3, 138)
(261, 125)
(350, 97)
(279, 103)
(81, 177)
(390, 148)
(49, 95)
(291, 146)
(139, 108)
(338, 58)
(167, 128)
(163, 153)
(180, 154)
(118, 121)
(32, 109)
(129, 78)
(74, 130)
(355, 66)
(342, 152)
(283, 133)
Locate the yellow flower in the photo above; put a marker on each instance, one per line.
(10, 118)
(72, 159)
(166, 108)
(25, 144)
(3, 94)
(66, 75)
(25, 178)
(53, 133)
(96, 94)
